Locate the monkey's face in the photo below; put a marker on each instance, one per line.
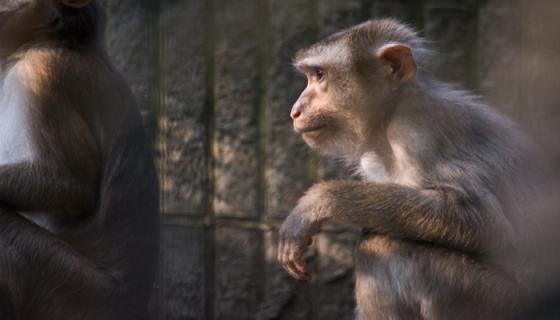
(349, 91)
(326, 113)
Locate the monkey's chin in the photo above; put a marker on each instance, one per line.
(314, 140)
(328, 145)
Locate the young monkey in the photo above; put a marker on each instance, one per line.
(444, 179)
(78, 187)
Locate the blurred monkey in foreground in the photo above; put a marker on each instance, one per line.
(444, 180)
(78, 188)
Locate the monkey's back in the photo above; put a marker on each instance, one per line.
(473, 151)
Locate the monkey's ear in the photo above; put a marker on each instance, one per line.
(75, 3)
(398, 60)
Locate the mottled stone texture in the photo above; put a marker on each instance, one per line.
(287, 171)
(236, 102)
(238, 273)
(185, 116)
(216, 84)
(183, 273)
(335, 280)
(284, 298)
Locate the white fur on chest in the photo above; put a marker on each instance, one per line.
(372, 168)
(404, 170)
(15, 143)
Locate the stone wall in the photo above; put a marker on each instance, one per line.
(214, 80)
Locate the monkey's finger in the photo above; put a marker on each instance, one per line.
(280, 250)
(296, 273)
(294, 270)
(286, 259)
(302, 267)
(289, 267)
(285, 254)
(297, 261)
(284, 251)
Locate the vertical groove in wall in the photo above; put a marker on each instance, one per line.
(210, 123)
(156, 112)
(161, 141)
(155, 81)
(161, 144)
(155, 97)
(262, 116)
(263, 62)
(262, 112)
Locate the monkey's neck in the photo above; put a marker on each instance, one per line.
(379, 144)
(378, 141)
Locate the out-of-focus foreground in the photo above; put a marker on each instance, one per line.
(215, 81)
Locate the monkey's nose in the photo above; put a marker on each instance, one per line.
(295, 114)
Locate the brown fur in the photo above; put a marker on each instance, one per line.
(92, 176)
(445, 178)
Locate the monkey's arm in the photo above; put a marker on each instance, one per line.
(46, 188)
(94, 268)
(63, 176)
(37, 262)
(445, 216)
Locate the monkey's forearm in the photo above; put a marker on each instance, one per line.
(30, 187)
(404, 212)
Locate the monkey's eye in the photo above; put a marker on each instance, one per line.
(318, 74)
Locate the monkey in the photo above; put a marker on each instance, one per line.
(443, 180)
(79, 193)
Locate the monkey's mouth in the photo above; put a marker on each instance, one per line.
(309, 129)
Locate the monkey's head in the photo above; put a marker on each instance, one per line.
(354, 77)
(25, 23)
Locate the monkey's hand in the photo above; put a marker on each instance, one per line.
(296, 235)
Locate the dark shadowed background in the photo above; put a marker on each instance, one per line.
(214, 80)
